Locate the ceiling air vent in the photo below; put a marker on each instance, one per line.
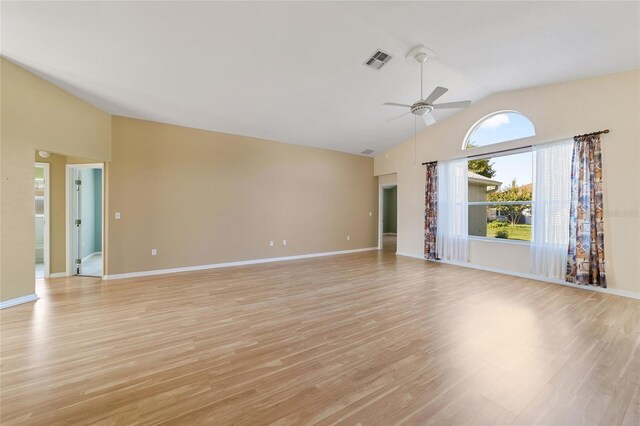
(378, 59)
(367, 152)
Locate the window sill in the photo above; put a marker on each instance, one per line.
(500, 240)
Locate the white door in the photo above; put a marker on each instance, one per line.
(86, 208)
(77, 220)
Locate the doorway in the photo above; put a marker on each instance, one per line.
(41, 210)
(389, 217)
(85, 205)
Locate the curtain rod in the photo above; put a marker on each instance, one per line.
(522, 147)
(593, 133)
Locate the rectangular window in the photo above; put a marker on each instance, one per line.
(500, 196)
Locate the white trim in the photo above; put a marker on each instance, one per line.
(496, 153)
(499, 203)
(19, 301)
(380, 215)
(410, 255)
(47, 219)
(85, 165)
(486, 117)
(499, 240)
(58, 275)
(68, 241)
(228, 264)
(612, 291)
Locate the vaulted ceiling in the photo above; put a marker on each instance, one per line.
(293, 72)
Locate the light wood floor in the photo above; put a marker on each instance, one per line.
(364, 339)
(389, 243)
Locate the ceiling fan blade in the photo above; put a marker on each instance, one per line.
(437, 92)
(461, 104)
(428, 119)
(397, 104)
(398, 116)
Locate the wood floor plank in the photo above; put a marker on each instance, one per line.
(366, 338)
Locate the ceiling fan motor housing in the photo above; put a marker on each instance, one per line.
(421, 108)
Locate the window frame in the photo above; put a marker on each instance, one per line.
(478, 123)
(497, 154)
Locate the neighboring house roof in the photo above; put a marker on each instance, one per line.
(476, 178)
(528, 186)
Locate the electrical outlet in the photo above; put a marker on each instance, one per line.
(117, 215)
(270, 243)
(154, 252)
(348, 237)
(284, 242)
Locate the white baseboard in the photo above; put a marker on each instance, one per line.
(613, 291)
(58, 275)
(409, 255)
(228, 264)
(84, 259)
(18, 301)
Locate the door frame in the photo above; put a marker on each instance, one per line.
(47, 218)
(69, 271)
(381, 189)
(380, 214)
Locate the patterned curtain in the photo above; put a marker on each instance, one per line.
(431, 211)
(585, 264)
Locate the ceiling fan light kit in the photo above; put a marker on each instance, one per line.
(425, 106)
(421, 108)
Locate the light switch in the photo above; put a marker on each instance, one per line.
(270, 243)
(284, 242)
(154, 252)
(117, 215)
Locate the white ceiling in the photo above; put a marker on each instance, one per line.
(293, 72)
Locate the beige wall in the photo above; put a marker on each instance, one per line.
(197, 197)
(557, 111)
(390, 179)
(36, 114)
(202, 197)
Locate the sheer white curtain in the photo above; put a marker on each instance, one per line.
(452, 241)
(551, 202)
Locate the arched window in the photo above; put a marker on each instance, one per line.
(500, 126)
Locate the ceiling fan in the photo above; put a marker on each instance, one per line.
(425, 106)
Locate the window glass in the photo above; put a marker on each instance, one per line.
(500, 196)
(499, 127)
